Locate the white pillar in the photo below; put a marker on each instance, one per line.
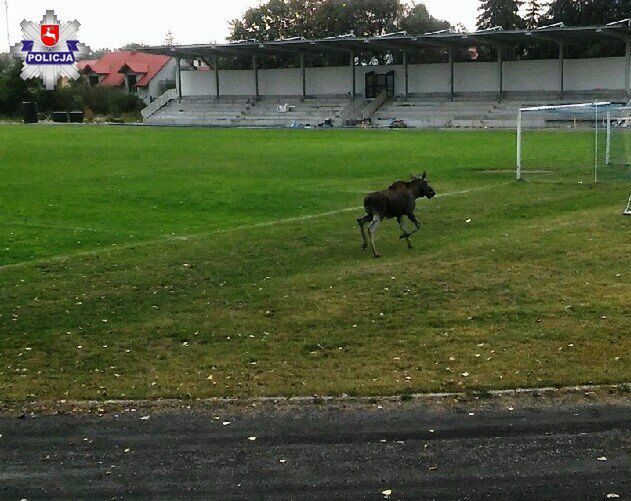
(519, 126)
(178, 71)
(627, 68)
(608, 153)
(596, 148)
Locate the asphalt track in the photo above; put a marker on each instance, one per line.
(580, 451)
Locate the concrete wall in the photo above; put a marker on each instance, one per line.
(519, 76)
(153, 90)
(528, 76)
(595, 74)
(476, 77)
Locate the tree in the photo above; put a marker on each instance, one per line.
(534, 11)
(504, 13)
(417, 20)
(590, 13)
(134, 46)
(564, 11)
(276, 19)
(98, 53)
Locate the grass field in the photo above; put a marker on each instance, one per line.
(145, 263)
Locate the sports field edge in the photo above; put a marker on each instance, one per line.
(530, 397)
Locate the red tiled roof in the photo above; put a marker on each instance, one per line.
(86, 62)
(111, 64)
(134, 67)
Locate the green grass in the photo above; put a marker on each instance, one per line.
(136, 263)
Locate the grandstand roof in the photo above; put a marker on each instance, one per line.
(558, 34)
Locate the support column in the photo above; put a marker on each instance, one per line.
(406, 70)
(216, 65)
(562, 69)
(500, 71)
(608, 143)
(178, 74)
(627, 68)
(354, 91)
(451, 74)
(255, 67)
(519, 134)
(304, 76)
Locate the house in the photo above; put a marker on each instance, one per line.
(148, 75)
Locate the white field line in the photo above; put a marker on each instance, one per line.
(57, 227)
(178, 238)
(331, 213)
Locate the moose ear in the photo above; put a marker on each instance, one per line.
(413, 176)
(424, 175)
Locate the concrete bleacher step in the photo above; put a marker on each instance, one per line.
(247, 112)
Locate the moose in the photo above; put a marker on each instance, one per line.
(397, 201)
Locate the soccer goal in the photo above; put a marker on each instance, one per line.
(577, 143)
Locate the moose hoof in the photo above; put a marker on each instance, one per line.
(377, 256)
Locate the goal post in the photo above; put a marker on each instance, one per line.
(585, 142)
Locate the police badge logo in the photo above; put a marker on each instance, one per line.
(50, 50)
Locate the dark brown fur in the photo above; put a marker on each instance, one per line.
(397, 201)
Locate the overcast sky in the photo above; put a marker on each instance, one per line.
(113, 23)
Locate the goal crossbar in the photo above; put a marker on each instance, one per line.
(571, 106)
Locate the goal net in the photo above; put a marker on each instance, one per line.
(577, 143)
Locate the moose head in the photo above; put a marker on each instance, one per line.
(423, 189)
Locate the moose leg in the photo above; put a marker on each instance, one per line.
(416, 222)
(405, 233)
(362, 221)
(371, 234)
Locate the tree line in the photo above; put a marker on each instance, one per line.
(278, 19)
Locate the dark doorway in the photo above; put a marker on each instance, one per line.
(377, 83)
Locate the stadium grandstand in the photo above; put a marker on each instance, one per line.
(454, 93)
